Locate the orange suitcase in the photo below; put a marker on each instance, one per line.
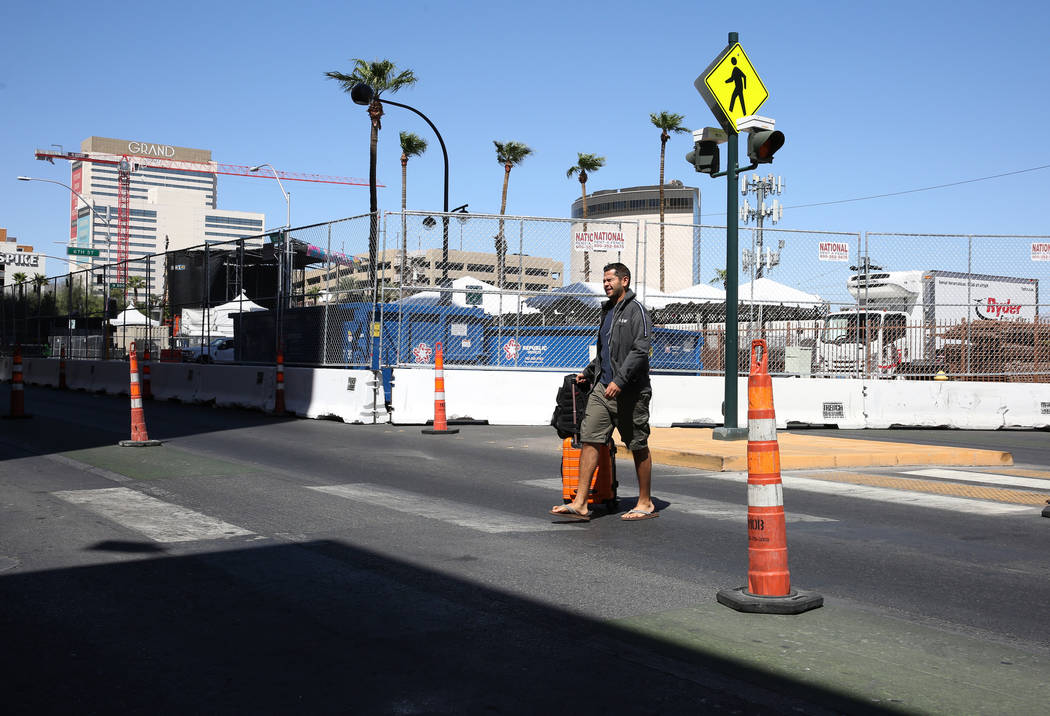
(603, 482)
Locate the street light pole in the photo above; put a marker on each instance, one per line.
(109, 253)
(285, 255)
(363, 96)
(287, 280)
(109, 239)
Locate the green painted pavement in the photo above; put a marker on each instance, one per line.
(155, 462)
(877, 659)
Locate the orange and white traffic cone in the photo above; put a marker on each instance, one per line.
(139, 437)
(62, 369)
(147, 387)
(768, 589)
(278, 401)
(440, 422)
(18, 404)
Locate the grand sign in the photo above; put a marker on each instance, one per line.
(134, 148)
(151, 150)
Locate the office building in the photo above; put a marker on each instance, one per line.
(634, 213)
(169, 208)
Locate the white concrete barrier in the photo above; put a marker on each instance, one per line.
(825, 401)
(5, 367)
(501, 397)
(80, 374)
(527, 397)
(236, 386)
(40, 371)
(956, 404)
(175, 381)
(113, 377)
(331, 393)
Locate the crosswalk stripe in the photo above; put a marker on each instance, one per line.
(886, 494)
(714, 509)
(159, 520)
(984, 478)
(481, 519)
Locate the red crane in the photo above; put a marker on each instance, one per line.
(127, 164)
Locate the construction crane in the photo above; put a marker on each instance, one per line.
(127, 164)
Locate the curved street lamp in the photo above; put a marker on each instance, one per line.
(91, 208)
(363, 94)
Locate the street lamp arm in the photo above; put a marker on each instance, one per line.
(287, 196)
(444, 152)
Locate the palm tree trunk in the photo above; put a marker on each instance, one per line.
(501, 238)
(663, 149)
(404, 205)
(375, 112)
(586, 255)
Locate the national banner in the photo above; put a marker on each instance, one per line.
(833, 251)
(1041, 251)
(597, 240)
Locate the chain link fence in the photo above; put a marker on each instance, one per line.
(509, 292)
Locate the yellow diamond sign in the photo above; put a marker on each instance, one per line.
(731, 87)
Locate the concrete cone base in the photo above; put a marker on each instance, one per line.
(432, 431)
(139, 443)
(1046, 511)
(794, 603)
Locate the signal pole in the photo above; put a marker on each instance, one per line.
(755, 259)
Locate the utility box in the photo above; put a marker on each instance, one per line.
(798, 360)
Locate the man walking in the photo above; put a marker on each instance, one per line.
(620, 394)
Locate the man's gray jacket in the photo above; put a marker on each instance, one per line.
(629, 345)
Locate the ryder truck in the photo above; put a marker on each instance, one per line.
(896, 326)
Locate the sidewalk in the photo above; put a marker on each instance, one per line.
(695, 447)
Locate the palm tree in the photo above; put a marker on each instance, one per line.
(412, 145)
(585, 163)
(20, 279)
(510, 155)
(39, 281)
(381, 76)
(721, 276)
(667, 123)
(135, 283)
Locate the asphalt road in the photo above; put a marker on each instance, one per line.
(268, 565)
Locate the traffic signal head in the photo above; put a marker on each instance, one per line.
(763, 144)
(704, 157)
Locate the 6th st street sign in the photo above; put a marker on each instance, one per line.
(731, 87)
(74, 251)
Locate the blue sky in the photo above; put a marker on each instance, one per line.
(873, 98)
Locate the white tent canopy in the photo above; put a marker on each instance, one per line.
(132, 317)
(700, 293)
(222, 316)
(219, 320)
(769, 292)
(467, 288)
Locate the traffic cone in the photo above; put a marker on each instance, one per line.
(440, 422)
(17, 387)
(62, 369)
(147, 389)
(278, 401)
(768, 589)
(139, 438)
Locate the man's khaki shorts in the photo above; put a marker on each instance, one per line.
(628, 413)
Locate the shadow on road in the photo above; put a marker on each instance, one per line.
(323, 627)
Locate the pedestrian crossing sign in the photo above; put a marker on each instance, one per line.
(731, 87)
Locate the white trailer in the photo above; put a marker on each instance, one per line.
(894, 328)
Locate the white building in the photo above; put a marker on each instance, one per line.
(16, 258)
(169, 208)
(635, 212)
